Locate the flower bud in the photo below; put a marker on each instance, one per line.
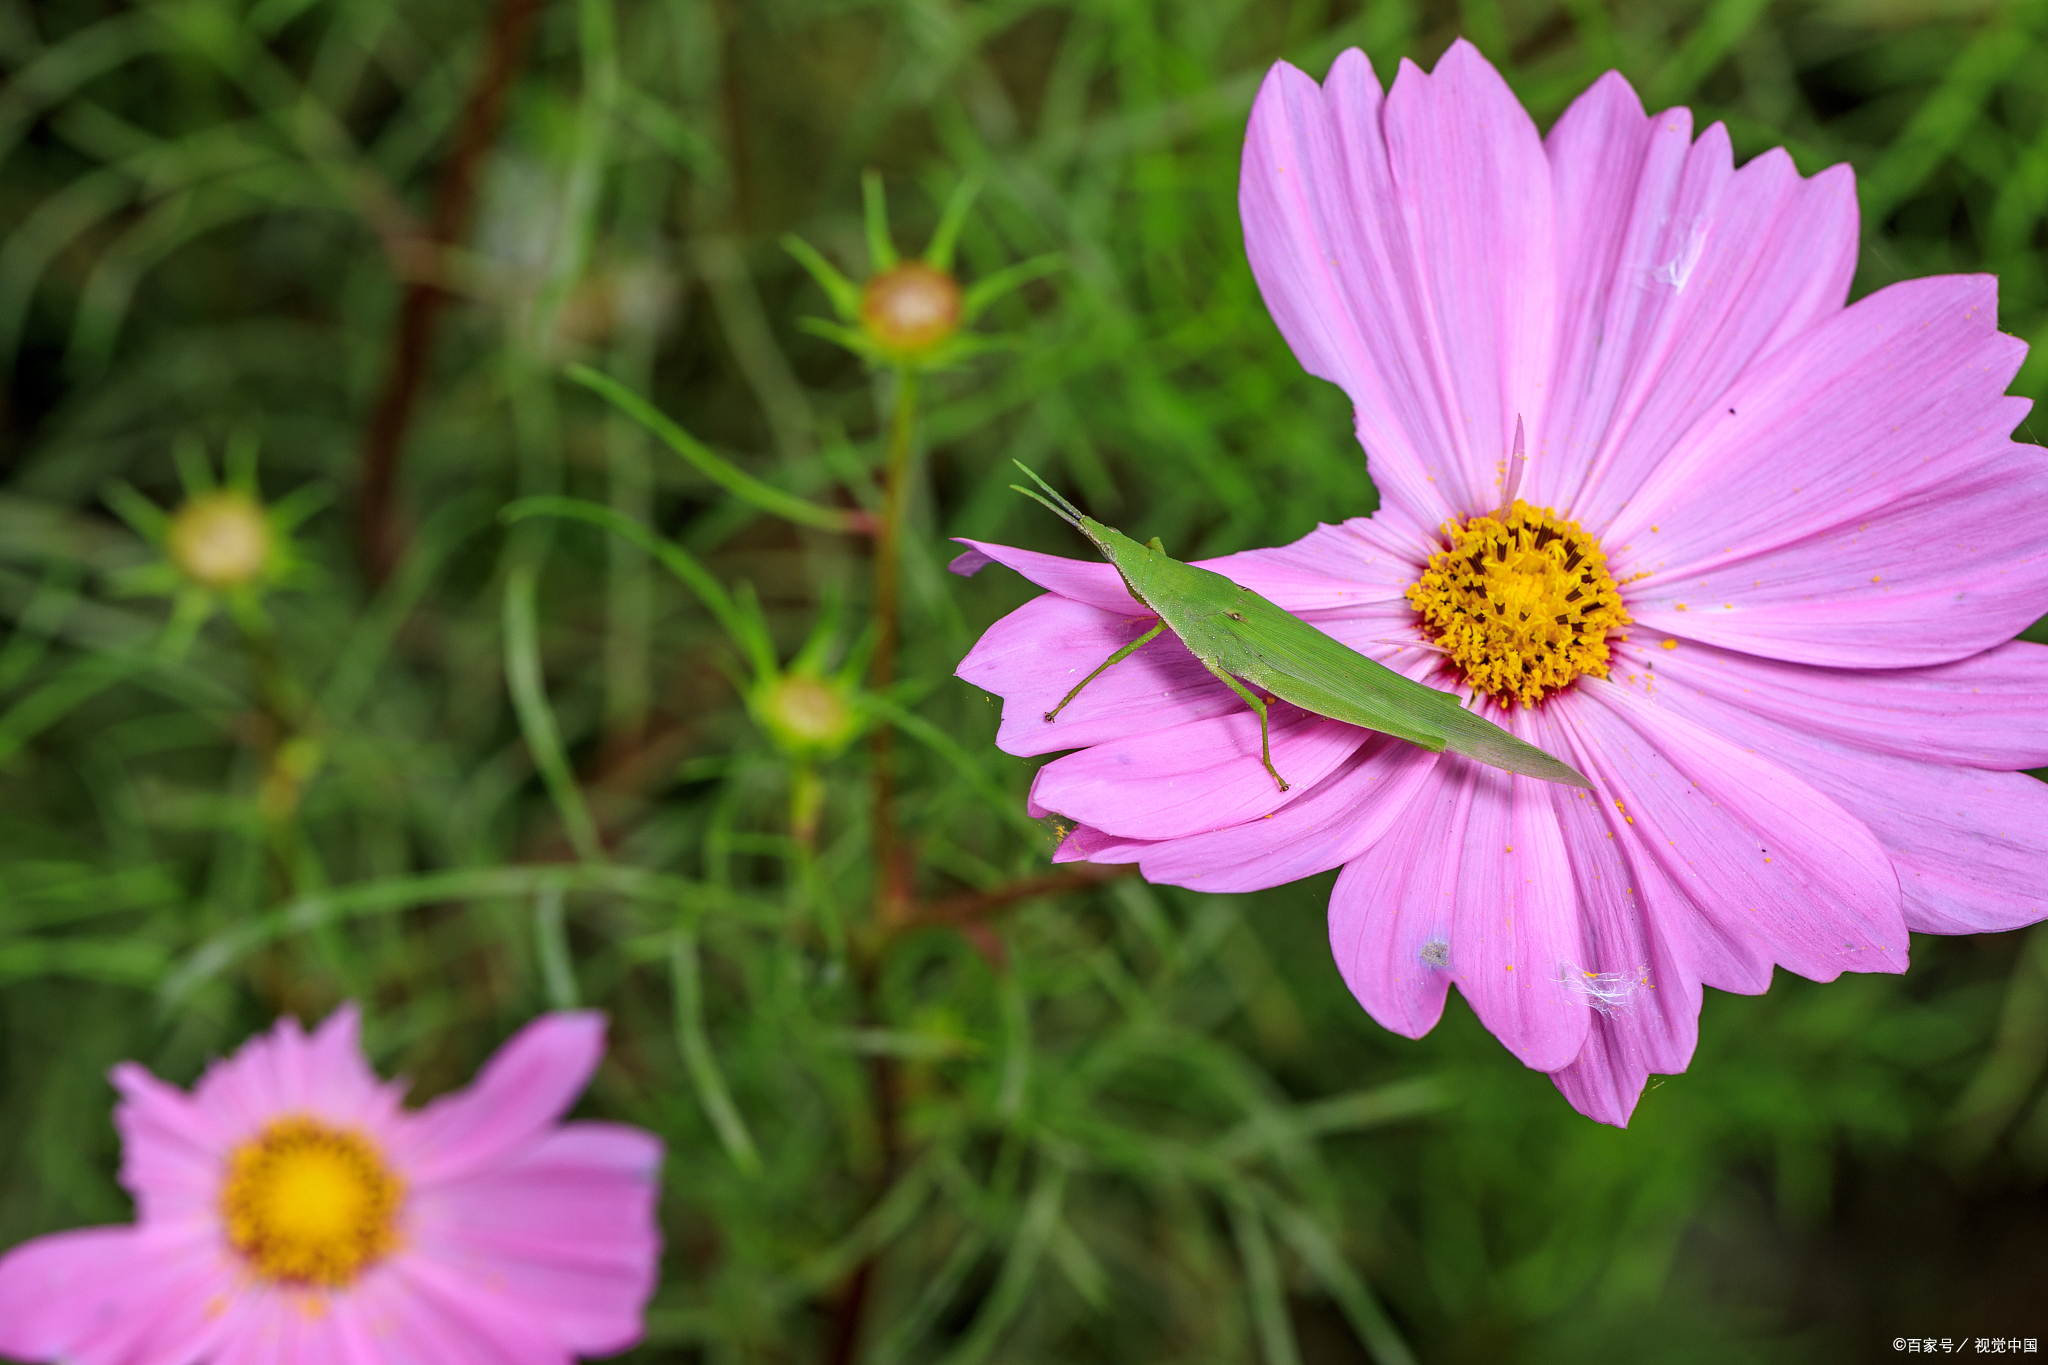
(910, 309)
(807, 715)
(221, 540)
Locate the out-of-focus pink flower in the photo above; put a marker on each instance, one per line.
(289, 1211)
(1806, 717)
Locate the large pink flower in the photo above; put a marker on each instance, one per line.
(1805, 727)
(289, 1211)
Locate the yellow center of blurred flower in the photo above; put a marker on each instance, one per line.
(1521, 601)
(808, 713)
(220, 540)
(910, 308)
(309, 1204)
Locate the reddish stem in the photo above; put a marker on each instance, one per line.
(382, 539)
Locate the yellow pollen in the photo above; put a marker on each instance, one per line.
(1521, 602)
(310, 1204)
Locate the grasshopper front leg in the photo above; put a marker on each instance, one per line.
(1252, 700)
(1126, 652)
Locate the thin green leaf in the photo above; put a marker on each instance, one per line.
(308, 913)
(742, 631)
(79, 682)
(984, 292)
(1339, 1114)
(1020, 1267)
(701, 1061)
(939, 254)
(891, 1214)
(537, 719)
(950, 749)
(844, 293)
(1353, 1296)
(195, 470)
(735, 481)
(149, 521)
(1947, 117)
(939, 1290)
(875, 218)
(1262, 1283)
(122, 961)
(551, 945)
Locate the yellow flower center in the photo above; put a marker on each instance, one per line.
(910, 308)
(220, 540)
(310, 1204)
(1522, 602)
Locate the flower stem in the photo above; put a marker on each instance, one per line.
(893, 906)
(892, 900)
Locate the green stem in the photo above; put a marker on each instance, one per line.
(892, 901)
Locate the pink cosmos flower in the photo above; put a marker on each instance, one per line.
(1757, 579)
(289, 1211)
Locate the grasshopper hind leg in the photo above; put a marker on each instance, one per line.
(1252, 700)
(1126, 652)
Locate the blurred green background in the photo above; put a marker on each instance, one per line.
(1108, 1122)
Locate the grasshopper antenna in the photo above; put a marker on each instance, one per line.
(1059, 506)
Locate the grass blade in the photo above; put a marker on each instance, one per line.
(732, 479)
(702, 1062)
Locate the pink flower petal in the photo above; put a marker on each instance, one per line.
(1970, 847)
(1676, 272)
(339, 1082)
(1346, 813)
(1200, 776)
(1775, 871)
(270, 1325)
(1391, 910)
(1095, 582)
(530, 1082)
(245, 1091)
(1861, 505)
(1357, 563)
(567, 1229)
(1084, 844)
(968, 563)
(1331, 255)
(171, 1149)
(112, 1296)
(1405, 249)
(1645, 1003)
(1033, 656)
(1474, 193)
(317, 1330)
(419, 1313)
(1514, 924)
(348, 1339)
(1989, 710)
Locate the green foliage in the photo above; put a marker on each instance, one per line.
(1012, 1115)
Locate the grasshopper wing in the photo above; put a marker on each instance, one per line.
(1298, 663)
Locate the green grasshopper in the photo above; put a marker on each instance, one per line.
(1238, 634)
